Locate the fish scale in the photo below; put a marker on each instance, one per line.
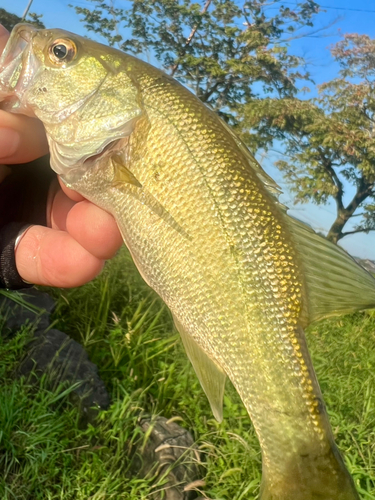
(201, 220)
(235, 211)
(207, 277)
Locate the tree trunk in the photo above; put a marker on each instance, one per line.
(335, 233)
(364, 190)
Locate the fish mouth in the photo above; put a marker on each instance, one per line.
(17, 68)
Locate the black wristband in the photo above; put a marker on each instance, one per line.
(9, 276)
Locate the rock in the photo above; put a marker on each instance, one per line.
(169, 450)
(64, 360)
(53, 353)
(17, 315)
(169, 453)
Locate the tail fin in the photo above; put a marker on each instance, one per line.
(336, 284)
(311, 478)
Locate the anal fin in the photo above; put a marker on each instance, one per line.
(210, 375)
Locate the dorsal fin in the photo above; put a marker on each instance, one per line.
(210, 375)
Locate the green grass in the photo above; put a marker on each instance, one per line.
(129, 334)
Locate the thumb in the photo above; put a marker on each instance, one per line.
(49, 257)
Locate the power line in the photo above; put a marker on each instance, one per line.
(337, 8)
(292, 3)
(27, 10)
(346, 8)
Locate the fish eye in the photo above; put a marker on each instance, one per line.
(62, 51)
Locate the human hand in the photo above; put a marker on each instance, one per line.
(80, 236)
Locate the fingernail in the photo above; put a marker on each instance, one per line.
(21, 234)
(9, 142)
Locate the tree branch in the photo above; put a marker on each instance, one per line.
(357, 231)
(364, 190)
(204, 97)
(327, 165)
(189, 39)
(364, 112)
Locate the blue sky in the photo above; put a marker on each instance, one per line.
(340, 16)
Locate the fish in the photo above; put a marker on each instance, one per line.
(203, 223)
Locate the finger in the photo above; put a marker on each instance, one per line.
(73, 195)
(22, 138)
(4, 35)
(94, 229)
(61, 206)
(53, 258)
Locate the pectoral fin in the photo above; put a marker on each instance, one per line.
(126, 181)
(122, 173)
(336, 284)
(210, 375)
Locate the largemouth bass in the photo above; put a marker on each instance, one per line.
(203, 224)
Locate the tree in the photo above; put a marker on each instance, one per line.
(9, 20)
(225, 53)
(330, 140)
